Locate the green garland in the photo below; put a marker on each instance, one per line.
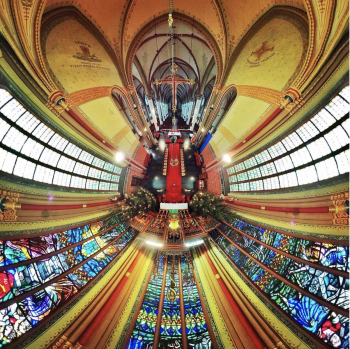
(139, 202)
(209, 205)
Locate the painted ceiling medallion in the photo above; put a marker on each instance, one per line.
(85, 55)
(262, 54)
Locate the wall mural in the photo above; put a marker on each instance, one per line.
(319, 269)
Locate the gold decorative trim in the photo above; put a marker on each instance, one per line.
(268, 95)
(9, 206)
(340, 209)
(227, 134)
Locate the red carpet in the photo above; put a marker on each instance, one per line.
(173, 177)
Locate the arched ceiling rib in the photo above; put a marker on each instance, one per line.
(219, 30)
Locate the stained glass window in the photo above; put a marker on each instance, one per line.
(307, 131)
(327, 169)
(170, 328)
(78, 182)
(345, 93)
(24, 168)
(342, 162)
(243, 187)
(95, 173)
(232, 178)
(284, 164)
(145, 326)
(170, 333)
(239, 167)
(4, 127)
(316, 283)
(307, 175)
(271, 183)
(7, 161)
(268, 169)
(81, 169)
(300, 157)
(49, 157)
(318, 148)
(196, 327)
(72, 150)
(43, 174)
(58, 142)
(288, 180)
(87, 257)
(32, 149)
(14, 139)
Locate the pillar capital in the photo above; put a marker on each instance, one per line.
(291, 98)
(217, 88)
(132, 89)
(57, 102)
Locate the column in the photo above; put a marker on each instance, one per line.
(182, 307)
(189, 112)
(196, 111)
(159, 111)
(160, 308)
(153, 112)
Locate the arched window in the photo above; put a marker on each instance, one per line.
(32, 150)
(315, 151)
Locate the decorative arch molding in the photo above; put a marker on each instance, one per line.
(135, 44)
(222, 95)
(56, 16)
(294, 15)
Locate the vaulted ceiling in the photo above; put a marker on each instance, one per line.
(259, 48)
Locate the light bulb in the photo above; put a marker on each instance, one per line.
(226, 158)
(119, 156)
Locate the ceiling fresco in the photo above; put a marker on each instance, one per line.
(272, 56)
(76, 58)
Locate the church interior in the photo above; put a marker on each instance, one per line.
(174, 174)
